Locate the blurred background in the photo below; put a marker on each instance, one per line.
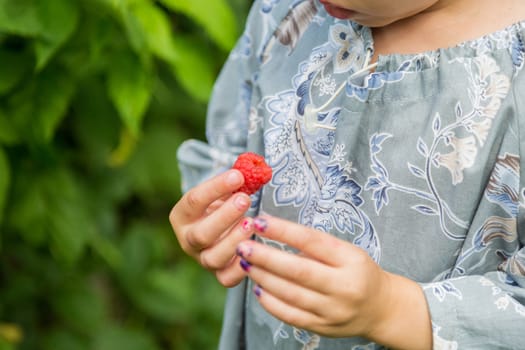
(95, 97)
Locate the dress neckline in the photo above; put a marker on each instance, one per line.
(510, 38)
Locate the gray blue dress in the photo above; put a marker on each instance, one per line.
(418, 163)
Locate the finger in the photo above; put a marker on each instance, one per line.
(220, 254)
(214, 226)
(285, 312)
(287, 291)
(231, 275)
(217, 204)
(316, 244)
(214, 206)
(300, 270)
(196, 201)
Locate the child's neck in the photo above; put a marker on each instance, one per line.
(446, 24)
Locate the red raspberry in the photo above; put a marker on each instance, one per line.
(255, 171)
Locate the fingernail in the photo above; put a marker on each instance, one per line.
(241, 201)
(245, 265)
(257, 290)
(247, 225)
(233, 178)
(260, 224)
(243, 251)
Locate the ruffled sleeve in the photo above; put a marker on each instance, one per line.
(486, 309)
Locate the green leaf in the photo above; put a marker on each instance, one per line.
(124, 150)
(149, 169)
(67, 241)
(136, 249)
(52, 97)
(117, 4)
(8, 133)
(5, 180)
(114, 337)
(107, 251)
(93, 108)
(80, 307)
(14, 66)
(61, 339)
(51, 23)
(58, 20)
(134, 32)
(20, 17)
(166, 294)
(27, 212)
(157, 30)
(49, 209)
(193, 68)
(6, 345)
(216, 17)
(192, 65)
(37, 109)
(130, 89)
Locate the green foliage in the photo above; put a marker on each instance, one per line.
(95, 98)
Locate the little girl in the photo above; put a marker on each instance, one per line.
(394, 217)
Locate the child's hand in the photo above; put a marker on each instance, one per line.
(209, 223)
(333, 288)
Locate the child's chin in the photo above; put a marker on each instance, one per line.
(338, 12)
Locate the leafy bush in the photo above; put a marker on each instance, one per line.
(95, 97)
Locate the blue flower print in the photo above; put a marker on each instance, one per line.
(309, 341)
(373, 82)
(518, 52)
(291, 181)
(443, 289)
(337, 181)
(303, 92)
(368, 239)
(504, 183)
(379, 184)
(243, 48)
(324, 144)
(350, 47)
(268, 5)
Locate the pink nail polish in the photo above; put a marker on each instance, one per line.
(260, 224)
(243, 251)
(247, 225)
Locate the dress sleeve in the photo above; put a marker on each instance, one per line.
(227, 119)
(486, 310)
(479, 311)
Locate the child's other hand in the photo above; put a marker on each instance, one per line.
(333, 288)
(209, 223)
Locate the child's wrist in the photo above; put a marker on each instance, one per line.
(402, 319)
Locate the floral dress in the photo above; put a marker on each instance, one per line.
(418, 162)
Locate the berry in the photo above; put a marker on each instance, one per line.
(255, 171)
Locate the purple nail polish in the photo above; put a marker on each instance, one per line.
(245, 265)
(260, 224)
(257, 290)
